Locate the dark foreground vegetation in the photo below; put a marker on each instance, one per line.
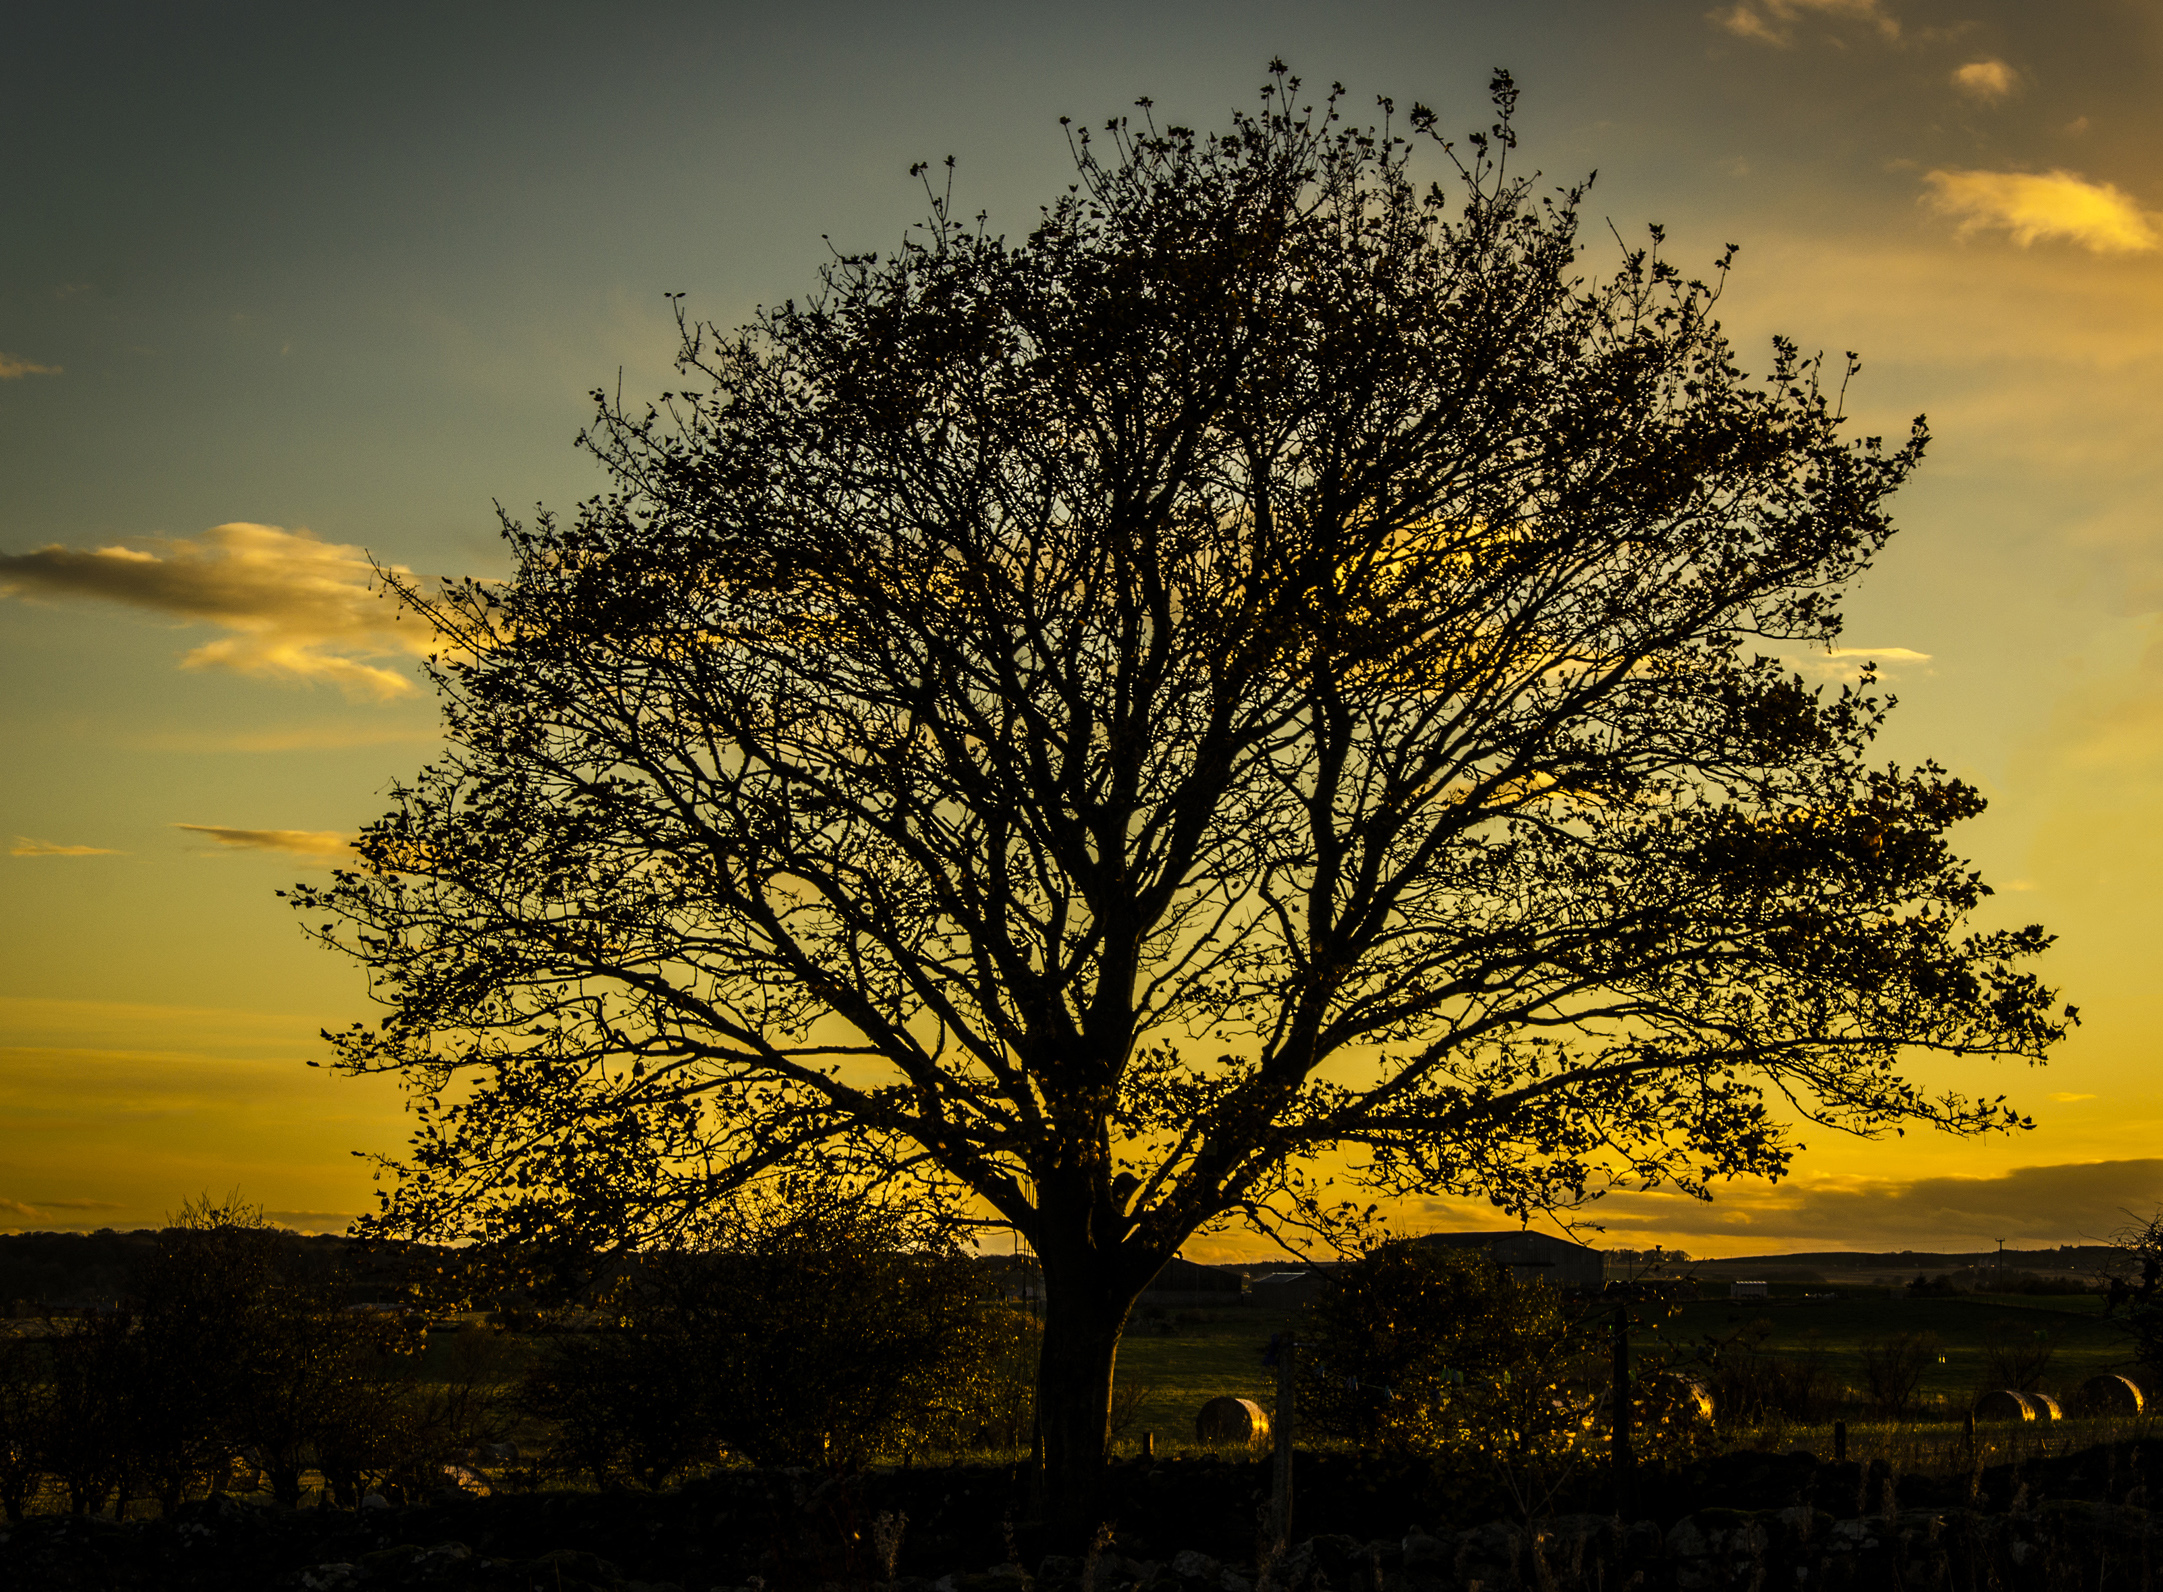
(820, 1410)
(2052, 1518)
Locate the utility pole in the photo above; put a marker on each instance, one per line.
(1284, 1351)
(1619, 1428)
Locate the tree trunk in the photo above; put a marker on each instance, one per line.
(1085, 1310)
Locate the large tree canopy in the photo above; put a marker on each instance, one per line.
(1271, 664)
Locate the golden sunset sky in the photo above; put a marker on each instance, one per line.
(286, 288)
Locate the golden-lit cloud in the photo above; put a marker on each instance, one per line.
(13, 368)
(296, 608)
(2065, 1099)
(26, 847)
(1774, 21)
(1988, 81)
(323, 845)
(2034, 206)
(1847, 663)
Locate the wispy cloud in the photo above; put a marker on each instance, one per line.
(13, 367)
(1988, 81)
(2034, 206)
(2065, 1099)
(1848, 663)
(297, 608)
(22, 1213)
(1774, 21)
(313, 1221)
(26, 847)
(323, 845)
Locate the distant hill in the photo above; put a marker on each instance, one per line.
(2068, 1257)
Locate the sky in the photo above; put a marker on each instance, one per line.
(287, 292)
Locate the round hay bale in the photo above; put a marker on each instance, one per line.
(1686, 1396)
(2046, 1407)
(2004, 1405)
(2108, 1395)
(1228, 1420)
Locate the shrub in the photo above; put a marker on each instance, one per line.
(817, 1337)
(25, 1411)
(1750, 1386)
(1893, 1369)
(2018, 1356)
(1434, 1350)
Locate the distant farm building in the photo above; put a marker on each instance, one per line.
(1532, 1257)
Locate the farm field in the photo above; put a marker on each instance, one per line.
(1221, 1352)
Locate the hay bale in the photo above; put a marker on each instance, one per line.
(1666, 1396)
(1228, 1420)
(2108, 1395)
(2004, 1405)
(1687, 1396)
(2046, 1408)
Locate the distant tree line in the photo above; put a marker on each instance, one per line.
(231, 1356)
(232, 1353)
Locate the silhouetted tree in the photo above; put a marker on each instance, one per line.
(198, 1299)
(2136, 1291)
(1264, 665)
(86, 1445)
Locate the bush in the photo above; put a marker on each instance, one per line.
(2136, 1300)
(25, 1400)
(816, 1338)
(2017, 1356)
(1432, 1350)
(1893, 1369)
(1750, 1386)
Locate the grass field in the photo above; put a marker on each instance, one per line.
(1221, 1353)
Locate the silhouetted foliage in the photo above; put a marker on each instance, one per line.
(93, 1365)
(235, 1348)
(1433, 1351)
(1277, 600)
(25, 1419)
(2136, 1290)
(1750, 1384)
(1893, 1368)
(820, 1334)
(2018, 1355)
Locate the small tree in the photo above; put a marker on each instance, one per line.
(86, 1439)
(198, 1300)
(2018, 1355)
(1893, 1369)
(2135, 1299)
